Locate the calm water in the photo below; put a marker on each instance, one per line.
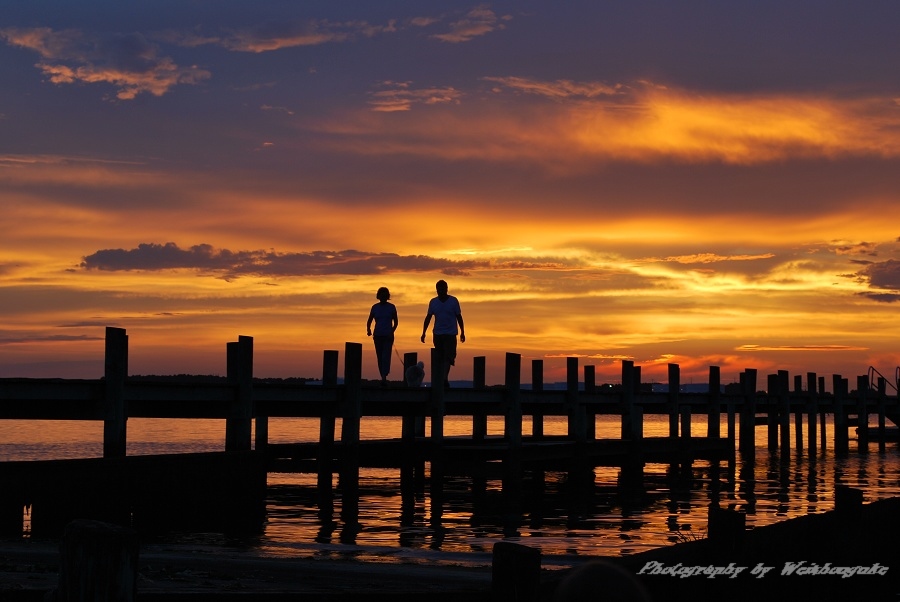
(565, 522)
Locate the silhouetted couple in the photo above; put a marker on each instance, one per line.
(447, 316)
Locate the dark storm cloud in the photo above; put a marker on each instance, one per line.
(884, 274)
(232, 264)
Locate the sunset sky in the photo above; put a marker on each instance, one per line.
(698, 182)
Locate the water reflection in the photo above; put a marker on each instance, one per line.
(421, 512)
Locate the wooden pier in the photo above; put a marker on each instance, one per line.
(243, 402)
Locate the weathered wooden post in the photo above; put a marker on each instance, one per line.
(823, 416)
(748, 412)
(862, 413)
(479, 418)
(882, 395)
(327, 420)
(812, 411)
(841, 436)
(628, 427)
(575, 410)
(714, 416)
(115, 414)
(239, 422)
(674, 389)
(537, 385)
(98, 561)
(438, 382)
(772, 411)
(513, 402)
(798, 415)
(590, 390)
(512, 463)
(784, 413)
(351, 413)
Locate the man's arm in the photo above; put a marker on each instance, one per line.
(462, 328)
(425, 326)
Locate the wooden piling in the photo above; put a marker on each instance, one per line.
(811, 411)
(748, 411)
(438, 379)
(674, 388)
(590, 389)
(326, 426)
(841, 436)
(575, 410)
(239, 423)
(772, 397)
(798, 415)
(882, 395)
(115, 415)
(628, 425)
(784, 413)
(513, 401)
(862, 413)
(98, 561)
(822, 416)
(479, 419)
(537, 385)
(351, 412)
(714, 416)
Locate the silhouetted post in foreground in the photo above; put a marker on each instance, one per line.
(239, 423)
(98, 561)
(512, 465)
(351, 413)
(326, 433)
(115, 415)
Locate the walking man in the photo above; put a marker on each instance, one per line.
(446, 313)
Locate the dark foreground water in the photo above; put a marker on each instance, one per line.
(566, 520)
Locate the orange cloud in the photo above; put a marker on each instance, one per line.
(640, 123)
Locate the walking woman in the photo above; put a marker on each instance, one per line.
(384, 315)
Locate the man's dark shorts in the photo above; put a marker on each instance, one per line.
(445, 344)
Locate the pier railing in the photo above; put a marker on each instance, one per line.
(240, 400)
